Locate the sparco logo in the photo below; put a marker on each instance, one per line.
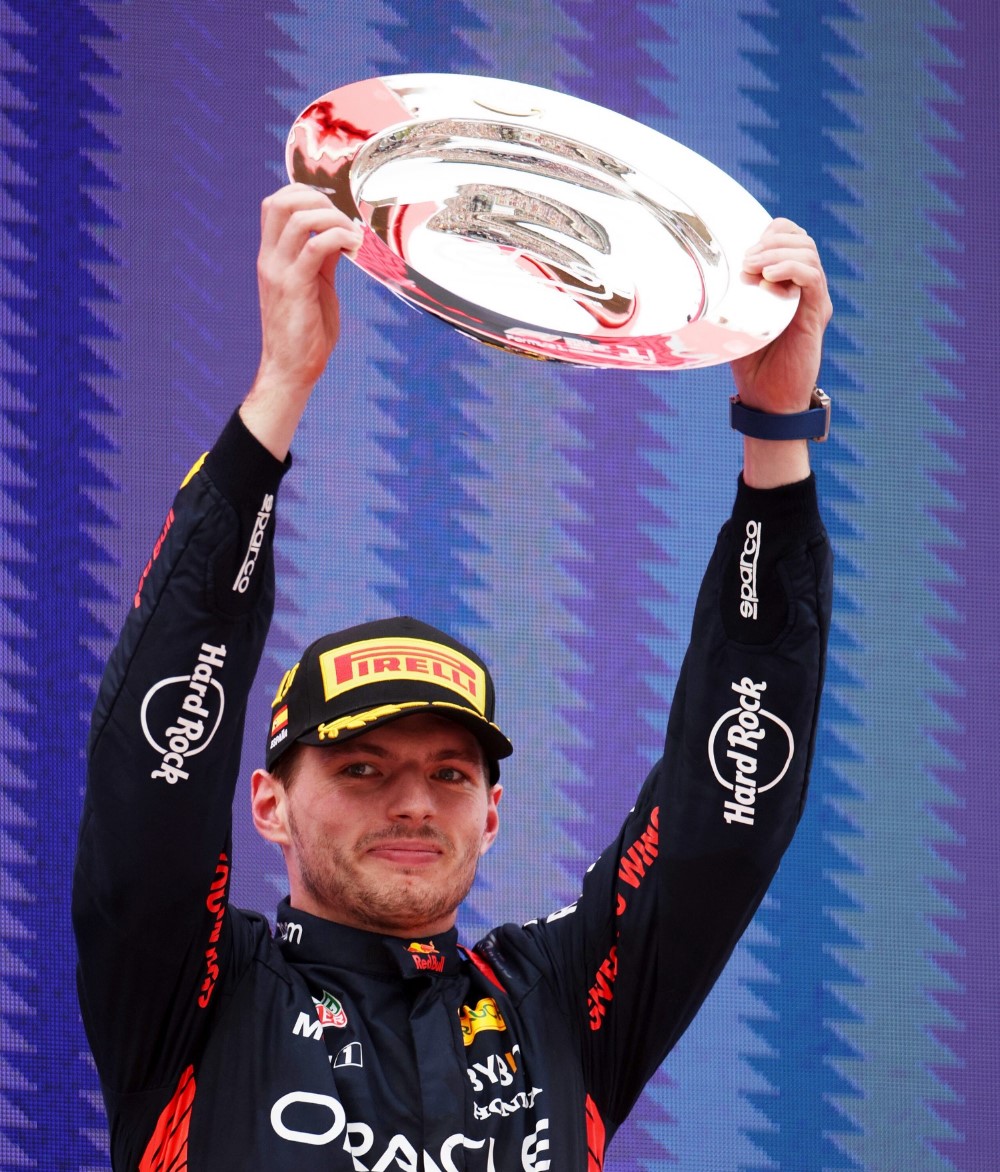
(253, 549)
(188, 709)
(750, 750)
(748, 570)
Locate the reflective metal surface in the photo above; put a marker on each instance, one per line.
(540, 223)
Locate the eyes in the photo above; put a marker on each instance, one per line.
(450, 773)
(363, 770)
(358, 769)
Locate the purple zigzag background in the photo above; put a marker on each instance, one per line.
(975, 629)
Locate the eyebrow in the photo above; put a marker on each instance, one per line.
(354, 745)
(461, 755)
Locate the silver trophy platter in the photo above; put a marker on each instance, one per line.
(540, 223)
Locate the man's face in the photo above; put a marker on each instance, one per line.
(384, 831)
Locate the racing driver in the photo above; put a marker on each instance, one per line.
(360, 1035)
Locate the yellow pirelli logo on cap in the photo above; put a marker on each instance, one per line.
(375, 661)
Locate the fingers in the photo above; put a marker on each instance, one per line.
(301, 229)
(784, 253)
(787, 254)
(308, 241)
(302, 238)
(281, 205)
(781, 229)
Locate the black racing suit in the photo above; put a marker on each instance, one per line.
(221, 1047)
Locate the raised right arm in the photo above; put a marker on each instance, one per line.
(302, 237)
(152, 865)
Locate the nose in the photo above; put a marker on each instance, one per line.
(411, 796)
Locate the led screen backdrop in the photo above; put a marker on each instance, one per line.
(558, 519)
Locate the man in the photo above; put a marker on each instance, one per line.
(362, 1036)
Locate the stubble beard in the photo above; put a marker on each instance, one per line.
(392, 901)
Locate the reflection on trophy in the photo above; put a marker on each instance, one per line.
(540, 223)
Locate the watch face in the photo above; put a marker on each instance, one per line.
(540, 223)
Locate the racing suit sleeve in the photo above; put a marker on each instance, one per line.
(152, 866)
(665, 904)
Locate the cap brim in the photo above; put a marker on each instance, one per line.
(495, 745)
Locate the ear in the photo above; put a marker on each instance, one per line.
(269, 806)
(493, 796)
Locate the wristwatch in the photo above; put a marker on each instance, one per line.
(813, 424)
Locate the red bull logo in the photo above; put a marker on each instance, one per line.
(426, 956)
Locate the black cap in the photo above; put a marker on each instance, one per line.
(368, 675)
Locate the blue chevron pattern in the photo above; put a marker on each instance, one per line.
(802, 1102)
(856, 1028)
(622, 520)
(892, 883)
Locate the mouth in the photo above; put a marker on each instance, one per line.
(415, 853)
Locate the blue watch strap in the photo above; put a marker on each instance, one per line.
(812, 424)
